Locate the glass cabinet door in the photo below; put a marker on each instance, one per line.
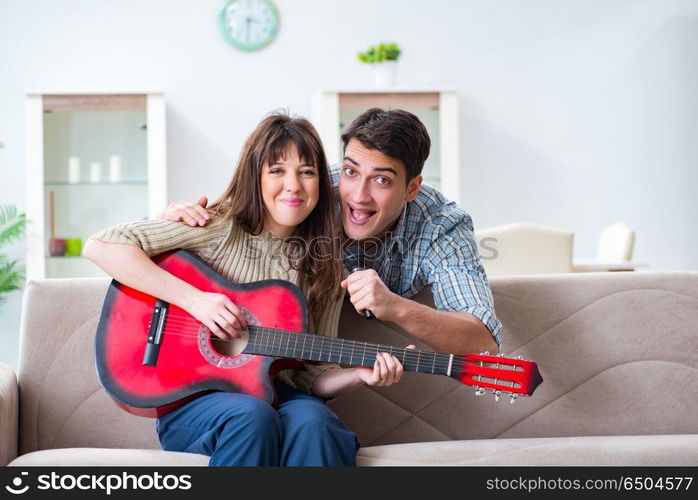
(95, 174)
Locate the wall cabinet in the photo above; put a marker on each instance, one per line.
(93, 161)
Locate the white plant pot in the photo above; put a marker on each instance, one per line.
(384, 74)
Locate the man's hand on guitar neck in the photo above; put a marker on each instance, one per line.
(194, 214)
(386, 371)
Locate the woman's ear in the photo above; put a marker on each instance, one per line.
(413, 188)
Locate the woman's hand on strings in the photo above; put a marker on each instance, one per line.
(218, 313)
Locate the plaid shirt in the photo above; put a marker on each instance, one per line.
(433, 245)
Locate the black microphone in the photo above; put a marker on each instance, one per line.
(355, 260)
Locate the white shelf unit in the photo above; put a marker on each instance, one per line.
(101, 203)
(437, 107)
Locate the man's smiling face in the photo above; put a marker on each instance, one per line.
(372, 190)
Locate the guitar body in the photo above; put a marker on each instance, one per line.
(188, 362)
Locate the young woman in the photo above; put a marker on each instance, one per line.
(279, 200)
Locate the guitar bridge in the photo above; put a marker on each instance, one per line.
(157, 325)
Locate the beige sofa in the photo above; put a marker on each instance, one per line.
(618, 352)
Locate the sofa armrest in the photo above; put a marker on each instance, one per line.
(9, 414)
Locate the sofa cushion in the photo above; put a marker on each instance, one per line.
(107, 457)
(672, 450)
(62, 404)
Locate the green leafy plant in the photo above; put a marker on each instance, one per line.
(11, 229)
(380, 53)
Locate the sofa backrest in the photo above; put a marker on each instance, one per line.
(618, 353)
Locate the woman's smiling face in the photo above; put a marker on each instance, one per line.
(290, 190)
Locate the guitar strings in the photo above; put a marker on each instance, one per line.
(405, 364)
(410, 356)
(194, 327)
(277, 334)
(188, 320)
(323, 351)
(460, 365)
(189, 323)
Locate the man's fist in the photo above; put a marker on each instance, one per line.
(368, 291)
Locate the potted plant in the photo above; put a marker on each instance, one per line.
(383, 60)
(11, 229)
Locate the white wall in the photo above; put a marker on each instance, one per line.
(574, 113)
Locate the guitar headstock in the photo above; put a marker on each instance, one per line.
(500, 374)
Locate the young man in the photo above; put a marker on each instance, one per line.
(422, 238)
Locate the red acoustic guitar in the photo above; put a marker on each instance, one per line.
(153, 357)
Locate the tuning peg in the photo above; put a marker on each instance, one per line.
(519, 357)
(480, 391)
(513, 397)
(496, 395)
(485, 353)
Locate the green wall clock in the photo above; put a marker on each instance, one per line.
(249, 24)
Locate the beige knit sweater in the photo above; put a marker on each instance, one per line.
(235, 254)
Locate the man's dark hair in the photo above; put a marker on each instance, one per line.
(396, 133)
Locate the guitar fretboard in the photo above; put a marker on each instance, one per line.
(308, 347)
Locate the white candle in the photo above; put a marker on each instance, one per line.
(95, 171)
(74, 170)
(115, 169)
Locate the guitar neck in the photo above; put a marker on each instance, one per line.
(308, 347)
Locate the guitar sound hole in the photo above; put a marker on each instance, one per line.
(229, 347)
(226, 353)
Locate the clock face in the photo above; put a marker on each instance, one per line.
(249, 24)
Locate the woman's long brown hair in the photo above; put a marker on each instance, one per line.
(317, 239)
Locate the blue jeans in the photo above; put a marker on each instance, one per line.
(241, 430)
